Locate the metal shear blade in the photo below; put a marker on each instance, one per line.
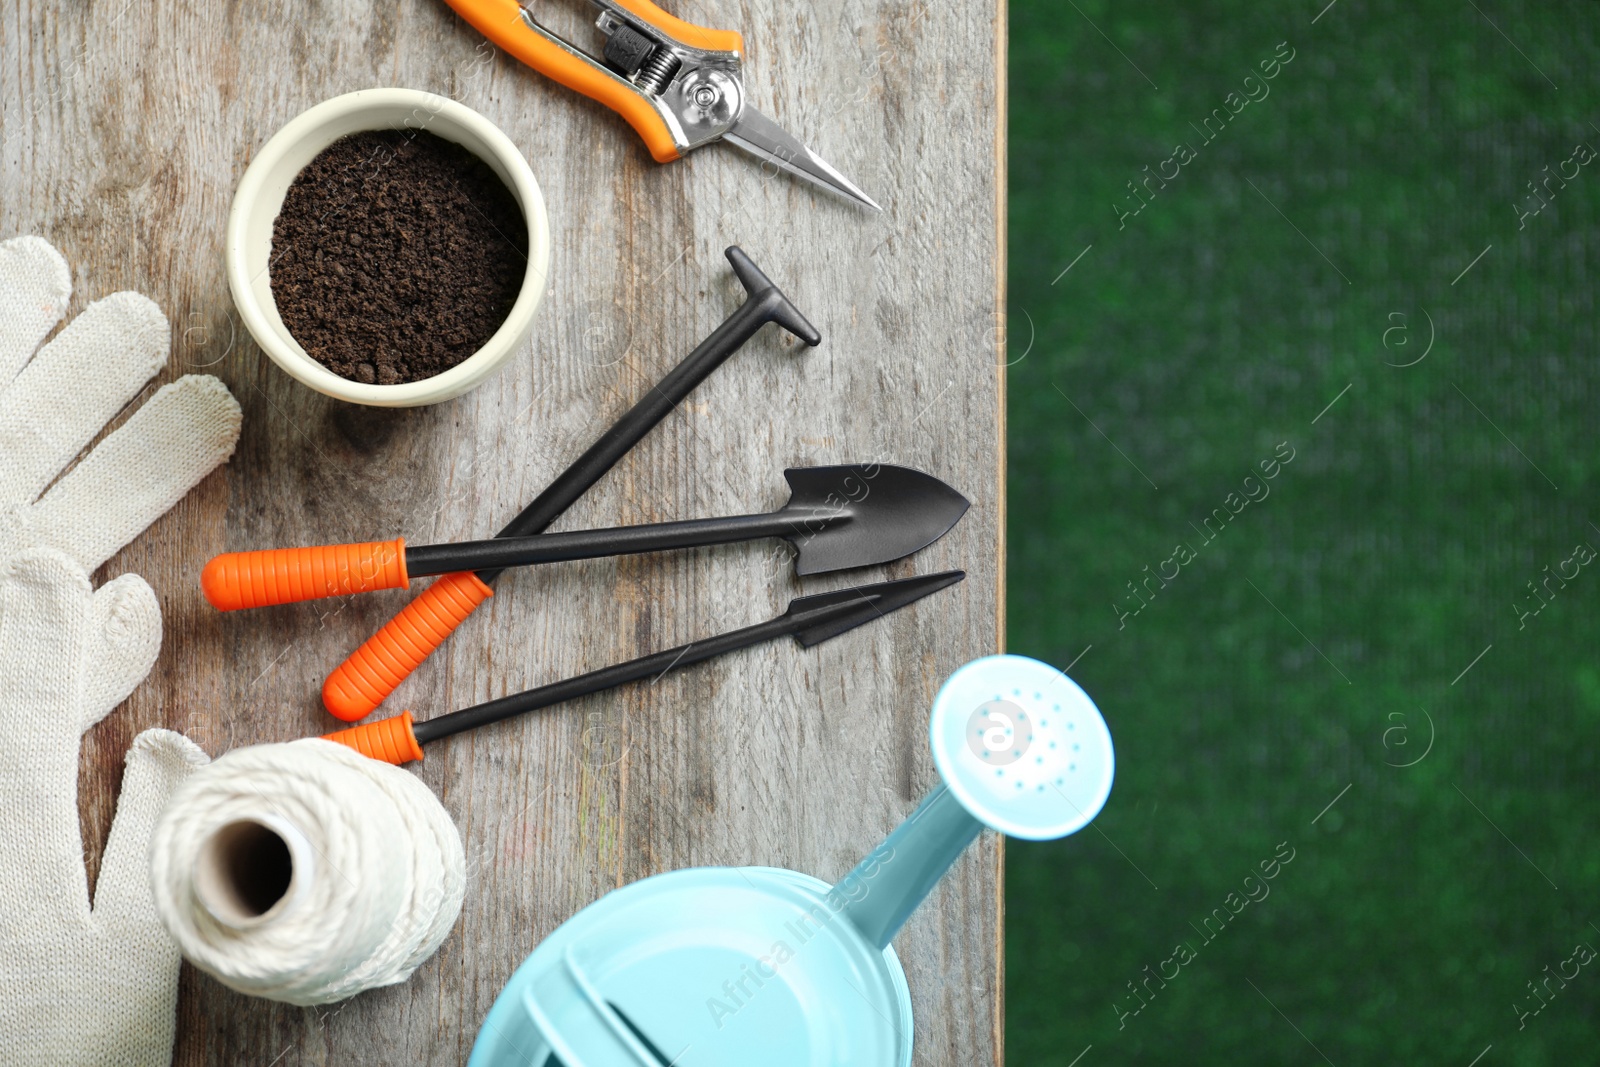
(760, 136)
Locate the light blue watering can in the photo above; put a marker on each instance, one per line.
(761, 967)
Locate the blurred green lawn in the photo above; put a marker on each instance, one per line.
(1373, 608)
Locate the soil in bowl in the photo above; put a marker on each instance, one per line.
(396, 255)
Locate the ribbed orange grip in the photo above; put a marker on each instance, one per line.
(389, 740)
(361, 682)
(237, 580)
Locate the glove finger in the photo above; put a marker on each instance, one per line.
(132, 477)
(122, 640)
(138, 982)
(44, 604)
(157, 763)
(73, 387)
(35, 286)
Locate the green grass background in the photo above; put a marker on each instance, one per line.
(1321, 637)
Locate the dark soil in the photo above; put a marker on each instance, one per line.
(396, 255)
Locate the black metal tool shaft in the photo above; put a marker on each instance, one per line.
(595, 681)
(508, 551)
(837, 518)
(766, 303)
(810, 620)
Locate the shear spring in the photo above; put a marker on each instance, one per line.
(657, 71)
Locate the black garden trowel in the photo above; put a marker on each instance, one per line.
(836, 518)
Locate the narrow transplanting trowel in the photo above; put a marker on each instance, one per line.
(837, 518)
(810, 620)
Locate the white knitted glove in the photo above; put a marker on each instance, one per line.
(82, 986)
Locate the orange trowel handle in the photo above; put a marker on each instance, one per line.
(237, 580)
(502, 22)
(361, 683)
(389, 740)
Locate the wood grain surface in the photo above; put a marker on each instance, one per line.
(125, 127)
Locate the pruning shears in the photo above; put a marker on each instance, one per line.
(678, 85)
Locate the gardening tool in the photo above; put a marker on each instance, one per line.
(756, 965)
(372, 671)
(678, 85)
(810, 620)
(899, 511)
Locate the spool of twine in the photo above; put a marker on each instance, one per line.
(305, 872)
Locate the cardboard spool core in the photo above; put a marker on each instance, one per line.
(243, 873)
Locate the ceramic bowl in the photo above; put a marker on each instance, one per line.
(260, 196)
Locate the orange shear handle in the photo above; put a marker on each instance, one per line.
(502, 22)
(684, 32)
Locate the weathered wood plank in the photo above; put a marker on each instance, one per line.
(123, 132)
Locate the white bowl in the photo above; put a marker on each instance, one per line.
(260, 196)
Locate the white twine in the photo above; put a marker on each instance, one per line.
(376, 878)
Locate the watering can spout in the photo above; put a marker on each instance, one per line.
(886, 887)
(1020, 748)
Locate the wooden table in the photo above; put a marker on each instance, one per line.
(125, 127)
